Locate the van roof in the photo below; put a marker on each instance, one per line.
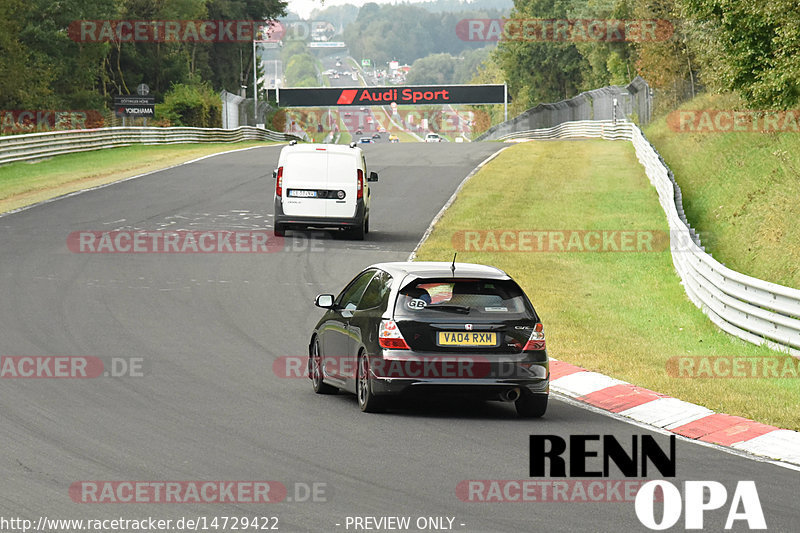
(319, 147)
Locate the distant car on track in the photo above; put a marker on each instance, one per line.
(429, 327)
(394, 138)
(376, 135)
(365, 140)
(433, 138)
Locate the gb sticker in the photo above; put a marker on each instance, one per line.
(417, 304)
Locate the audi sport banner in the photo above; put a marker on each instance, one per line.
(401, 95)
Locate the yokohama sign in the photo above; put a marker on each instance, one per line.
(401, 95)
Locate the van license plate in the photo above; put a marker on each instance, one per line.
(466, 338)
(302, 194)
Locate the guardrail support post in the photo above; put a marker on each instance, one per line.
(255, 84)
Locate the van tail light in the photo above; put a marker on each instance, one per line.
(536, 340)
(279, 182)
(360, 190)
(390, 336)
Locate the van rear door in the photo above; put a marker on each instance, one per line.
(343, 176)
(304, 183)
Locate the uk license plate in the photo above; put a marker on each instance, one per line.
(466, 338)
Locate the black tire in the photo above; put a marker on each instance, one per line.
(317, 380)
(366, 226)
(280, 230)
(367, 401)
(358, 232)
(531, 405)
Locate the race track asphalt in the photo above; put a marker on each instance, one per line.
(208, 328)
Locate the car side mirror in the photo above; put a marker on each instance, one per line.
(373, 176)
(324, 300)
(275, 173)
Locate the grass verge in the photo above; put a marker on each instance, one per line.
(24, 183)
(743, 199)
(623, 314)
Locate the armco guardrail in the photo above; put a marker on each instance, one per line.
(606, 129)
(620, 102)
(40, 145)
(754, 310)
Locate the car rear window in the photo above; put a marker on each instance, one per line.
(460, 297)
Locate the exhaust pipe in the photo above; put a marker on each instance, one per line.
(511, 395)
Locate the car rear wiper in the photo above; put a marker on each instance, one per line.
(456, 308)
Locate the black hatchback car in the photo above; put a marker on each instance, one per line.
(430, 327)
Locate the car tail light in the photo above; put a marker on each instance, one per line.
(360, 189)
(279, 182)
(536, 340)
(390, 336)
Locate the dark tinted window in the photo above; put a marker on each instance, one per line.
(377, 293)
(349, 298)
(484, 298)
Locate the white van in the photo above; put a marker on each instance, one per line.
(322, 186)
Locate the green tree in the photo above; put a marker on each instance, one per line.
(469, 64)
(486, 115)
(407, 32)
(752, 48)
(194, 104)
(24, 83)
(301, 71)
(540, 71)
(226, 65)
(157, 64)
(447, 68)
(432, 70)
(72, 70)
(606, 62)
